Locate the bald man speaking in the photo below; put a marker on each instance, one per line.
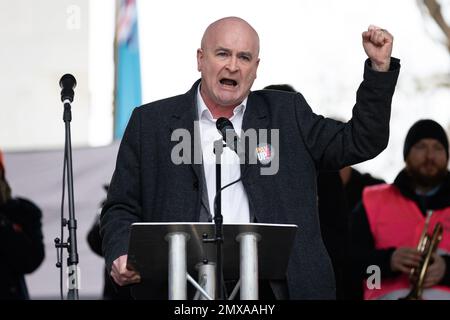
(150, 184)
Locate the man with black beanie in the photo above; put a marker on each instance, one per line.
(388, 224)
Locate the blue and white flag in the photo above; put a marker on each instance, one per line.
(127, 64)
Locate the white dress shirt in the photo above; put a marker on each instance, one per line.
(235, 207)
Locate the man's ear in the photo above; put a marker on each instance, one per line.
(199, 59)
(257, 65)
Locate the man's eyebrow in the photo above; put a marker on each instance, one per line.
(222, 49)
(246, 53)
(240, 53)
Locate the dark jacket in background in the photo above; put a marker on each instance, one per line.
(336, 203)
(333, 218)
(21, 246)
(355, 186)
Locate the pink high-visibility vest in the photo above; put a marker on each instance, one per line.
(396, 221)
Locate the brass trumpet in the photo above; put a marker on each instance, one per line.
(427, 246)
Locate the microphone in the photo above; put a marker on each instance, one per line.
(224, 125)
(67, 84)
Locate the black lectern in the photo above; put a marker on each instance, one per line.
(167, 254)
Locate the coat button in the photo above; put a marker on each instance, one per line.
(195, 185)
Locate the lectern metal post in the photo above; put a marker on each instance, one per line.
(177, 265)
(249, 265)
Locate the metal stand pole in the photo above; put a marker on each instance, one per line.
(72, 260)
(177, 265)
(249, 265)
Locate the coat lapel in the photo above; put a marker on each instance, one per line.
(256, 118)
(184, 117)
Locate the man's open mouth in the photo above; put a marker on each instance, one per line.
(228, 82)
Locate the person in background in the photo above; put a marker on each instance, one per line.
(21, 241)
(354, 183)
(388, 224)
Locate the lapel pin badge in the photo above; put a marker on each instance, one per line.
(264, 153)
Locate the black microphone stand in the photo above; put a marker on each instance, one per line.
(218, 218)
(71, 244)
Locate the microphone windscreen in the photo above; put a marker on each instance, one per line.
(68, 81)
(67, 84)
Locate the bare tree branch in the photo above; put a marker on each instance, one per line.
(434, 9)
